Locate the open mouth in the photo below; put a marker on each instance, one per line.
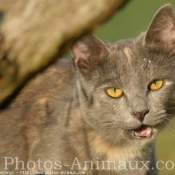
(144, 132)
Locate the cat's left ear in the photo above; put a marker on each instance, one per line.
(162, 28)
(87, 52)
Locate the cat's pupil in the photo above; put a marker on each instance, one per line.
(154, 81)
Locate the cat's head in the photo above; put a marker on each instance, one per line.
(126, 88)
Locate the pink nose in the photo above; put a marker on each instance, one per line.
(141, 115)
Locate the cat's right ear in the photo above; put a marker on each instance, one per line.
(87, 51)
(162, 28)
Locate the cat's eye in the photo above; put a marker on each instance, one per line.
(155, 84)
(114, 92)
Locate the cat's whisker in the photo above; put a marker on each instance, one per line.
(173, 115)
(171, 107)
(169, 133)
(162, 124)
(172, 124)
(171, 129)
(166, 118)
(169, 117)
(108, 123)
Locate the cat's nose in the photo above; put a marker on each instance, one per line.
(141, 115)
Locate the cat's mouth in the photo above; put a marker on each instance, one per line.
(144, 132)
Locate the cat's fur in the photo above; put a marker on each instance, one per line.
(64, 114)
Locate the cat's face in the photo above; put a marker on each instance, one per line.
(126, 88)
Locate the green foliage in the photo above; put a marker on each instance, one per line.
(133, 19)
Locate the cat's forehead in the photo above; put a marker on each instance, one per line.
(129, 54)
(132, 60)
(125, 49)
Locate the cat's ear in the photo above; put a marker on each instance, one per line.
(162, 28)
(87, 51)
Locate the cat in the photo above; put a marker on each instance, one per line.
(100, 116)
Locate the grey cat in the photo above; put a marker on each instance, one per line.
(101, 117)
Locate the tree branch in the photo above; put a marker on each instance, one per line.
(34, 33)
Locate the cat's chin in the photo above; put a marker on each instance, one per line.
(142, 133)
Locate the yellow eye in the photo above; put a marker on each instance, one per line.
(155, 85)
(114, 92)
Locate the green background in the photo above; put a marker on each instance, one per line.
(129, 22)
(133, 19)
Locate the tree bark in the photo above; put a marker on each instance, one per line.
(34, 33)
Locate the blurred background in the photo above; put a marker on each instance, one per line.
(129, 22)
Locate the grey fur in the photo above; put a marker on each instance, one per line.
(63, 113)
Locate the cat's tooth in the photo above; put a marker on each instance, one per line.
(136, 133)
(149, 130)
